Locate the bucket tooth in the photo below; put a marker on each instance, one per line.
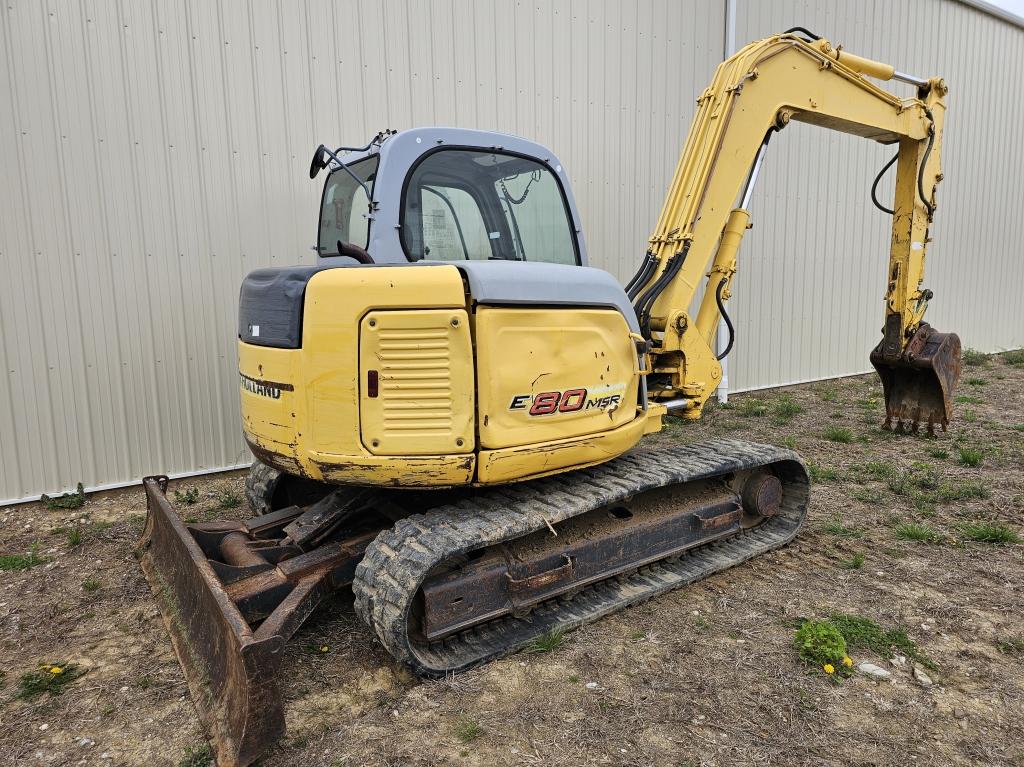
(919, 380)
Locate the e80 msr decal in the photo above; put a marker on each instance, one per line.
(569, 400)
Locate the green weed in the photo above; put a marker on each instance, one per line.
(838, 529)
(938, 452)
(67, 501)
(468, 730)
(785, 408)
(977, 382)
(974, 358)
(868, 495)
(548, 642)
(22, 561)
(751, 407)
(74, 536)
(228, 499)
(789, 442)
(839, 434)
(188, 498)
(820, 642)
(49, 678)
(197, 756)
(970, 456)
(821, 473)
(913, 531)
(963, 399)
(987, 532)
(853, 563)
(1011, 646)
(864, 633)
(1015, 358)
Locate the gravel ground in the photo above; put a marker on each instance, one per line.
(707, 675)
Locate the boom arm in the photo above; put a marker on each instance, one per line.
(755, 93)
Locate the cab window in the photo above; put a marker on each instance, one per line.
(475, 205)
(344, 207)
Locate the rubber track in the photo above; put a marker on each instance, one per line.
(396, 563)
(260, 484)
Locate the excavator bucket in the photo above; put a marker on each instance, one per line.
(918, 381)
(230, 673)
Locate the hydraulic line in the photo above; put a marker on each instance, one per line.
(728, 322)
(642, 275)
(874, 186)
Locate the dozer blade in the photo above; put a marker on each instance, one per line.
(230, 673)
(918, 381)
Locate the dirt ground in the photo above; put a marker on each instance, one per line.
(707, 675)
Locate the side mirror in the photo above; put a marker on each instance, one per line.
(319, 161)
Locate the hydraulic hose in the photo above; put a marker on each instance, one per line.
(642, 275)
(725, 316)
(874, 186)
(924, 162)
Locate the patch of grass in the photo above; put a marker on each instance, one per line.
(789, 442)
(974, 358)
(90, 585)
(914, 531)
(820, 642)
(468, 730)
(17, 562)
(866, 634)
(963, 399)
(839, 434)
(67, 501)
(188, 498)
(1015, 358)
(752, 407)
(853, 563)
(49, 678)
(989, 532)
(827, 393)
(574, 678)
(548, 642)
(868, 495)
(196, 756)
(145, 682)
(970, 456)
(977, 382)
(785, 408)
(228, 499)
(963, 491)
(838, 529)
(74, 536)
(821, 473)
(1011, 646)
(968, 415)
(938, 452)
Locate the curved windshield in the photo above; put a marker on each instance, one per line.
(463, 204)
(344, 207)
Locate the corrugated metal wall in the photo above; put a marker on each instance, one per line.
(808, 296)
(155, 152)
(152, 153)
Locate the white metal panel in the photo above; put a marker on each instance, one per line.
(153, 153)
(808, 296)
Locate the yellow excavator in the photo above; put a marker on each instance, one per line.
(444, 407)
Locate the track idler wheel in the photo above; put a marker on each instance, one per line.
(761, 496)
(919, 380)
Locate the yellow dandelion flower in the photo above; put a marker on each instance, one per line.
(325, 648)
(829, 668)
(56, 670)
(848, 661)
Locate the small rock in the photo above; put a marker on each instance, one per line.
(104, 755)
(44, 727)
(592, 685)
(899, 661)
(124, 689)
(85, 742)
(923, 678)
(960, 713)
(876, 672)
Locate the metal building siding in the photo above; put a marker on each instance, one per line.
(808, 297)
(153, 153)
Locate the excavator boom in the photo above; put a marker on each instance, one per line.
(755, 94)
